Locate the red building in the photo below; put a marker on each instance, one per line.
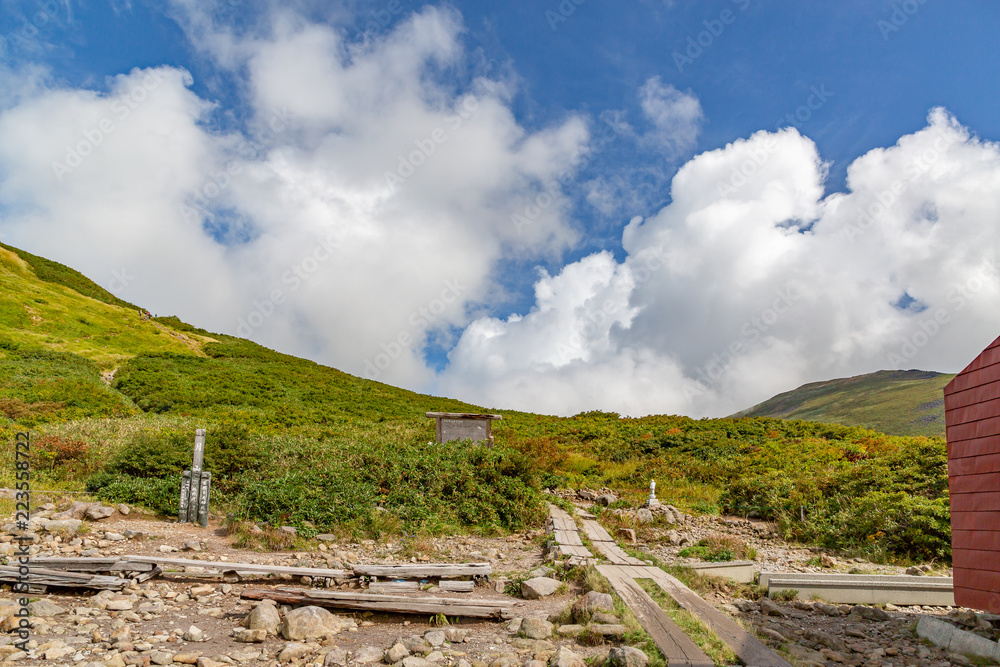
(972, 415)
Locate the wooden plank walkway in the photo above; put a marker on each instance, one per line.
(388, 603)
(566, 536)
(606, 544)
(747, 648)
(425, 570)
(227, 566)
(676, 646)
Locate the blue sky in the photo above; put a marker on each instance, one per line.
(688, 85)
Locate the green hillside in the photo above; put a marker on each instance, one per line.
(896, 402)
(112, 401)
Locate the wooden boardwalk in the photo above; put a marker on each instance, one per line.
(676, 646)
(567, 537)
(606, 544)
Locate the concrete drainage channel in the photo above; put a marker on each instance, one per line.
(956, 640)
(903, 590)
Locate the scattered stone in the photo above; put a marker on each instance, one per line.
(434, 637)
(828, 609)
(248, 636)
(187, 658)
(535, 628)
(123, 509)
(367, 654)
(609, 631)
(326, 537)
(870, 613)
(539, 587)
(396, 653)
(455, 635)
(769, 607)
(264, 617)
(571, 630)
(193, 545)
(627, 656)
(98, 511)
(288, 530)
(312, 622)
(564, 657)
(592, 602)
(336, 657)
(416, 661)
(628, 534)
(194, 634)
(161, 657)
(45, 609)
(63, 526)
(644, 515)
(114, 537)
(607, 499)
(293, 651)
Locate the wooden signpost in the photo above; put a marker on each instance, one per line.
(196, 486)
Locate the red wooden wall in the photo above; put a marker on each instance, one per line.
(972, 415)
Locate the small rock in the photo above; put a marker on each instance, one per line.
(367, 654)
(396, 653)
(434, 637)
(628, 534)
(312, 622)
(535, 628)
(293, 651)
(45, 609)
(288, 530)
(193, 545)
(627, 656)
(564, 657)
(123, 509)
(186, 658)
(264, 617)
(336, 657)
(769, 607)
(592, 602)
(455, 635)
(250, 636)
(98, 512)
(114, 537)
(607, 499)
(161, 657)
(194, 634)
(415, 661)
(539, 587)
(208, 662)
(870, 613)
(644, 515)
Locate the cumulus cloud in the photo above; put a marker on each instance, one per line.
(363, 208)
(751, 282)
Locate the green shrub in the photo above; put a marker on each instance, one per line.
(160, 495)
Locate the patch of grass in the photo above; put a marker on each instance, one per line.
(718, 548)
(786, 595)
(699, 633)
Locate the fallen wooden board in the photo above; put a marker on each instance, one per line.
(39, 576)
(676, 646)
(556, 524)
(391, 586)
(227, 566)
(457, 586)
(747, 648)
(569, 550)
(386, 603)
(81, 564)
(424, 570)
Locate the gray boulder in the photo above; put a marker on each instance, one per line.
(44, 608)
(535, 628)
(63, 526)
(564, 657)
(627, 656)
(98, 511)
(313, 622)
(539, 587)
(264, 617)
(588, 604)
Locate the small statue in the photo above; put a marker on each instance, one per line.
(652, 501)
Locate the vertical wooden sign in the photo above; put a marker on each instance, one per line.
(196, 486)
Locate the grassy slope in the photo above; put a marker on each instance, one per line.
(297, 442)
(896, 402)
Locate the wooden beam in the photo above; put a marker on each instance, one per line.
(749, 649)
(228, 566)
(38, 576)
(385, 603)
(457, 586)
(424, 570)
(461, 415)
(676, 646)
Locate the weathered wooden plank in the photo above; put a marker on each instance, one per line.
(570, 550)
(386, 603)
(423, 570)
(46, 577)
(81, 564)
(457, 586)
(227, 566)
(558, 513)
(393, 586)
(747, 648)
(615, 554)
(557, 524)
(146, 576)
(595, 532)
(568, 537)
(676, 646)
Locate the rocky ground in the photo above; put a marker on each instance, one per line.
(193, 617)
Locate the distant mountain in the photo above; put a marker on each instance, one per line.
(895, 402)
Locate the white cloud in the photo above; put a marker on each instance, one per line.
(373, 197)
(676, 117)
(752, 282)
